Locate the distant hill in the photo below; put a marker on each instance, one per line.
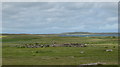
(88, 33)
(77, 33)
(59, 33)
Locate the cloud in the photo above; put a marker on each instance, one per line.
(109, 27)
(110, 19)
(58, 17)
(0, 17)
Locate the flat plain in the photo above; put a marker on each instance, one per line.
(93, 53)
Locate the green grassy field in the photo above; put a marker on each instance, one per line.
(94, 52)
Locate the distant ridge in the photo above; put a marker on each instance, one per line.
(88, 33)
(59, 33)
(77, 33)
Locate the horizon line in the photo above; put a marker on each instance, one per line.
(59, 33)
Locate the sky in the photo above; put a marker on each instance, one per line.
(59, 17)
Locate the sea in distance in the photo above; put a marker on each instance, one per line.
(87, 35)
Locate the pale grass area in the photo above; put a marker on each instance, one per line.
(2, 36)
(0, 62)
(0, 54)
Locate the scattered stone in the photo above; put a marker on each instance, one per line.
(32, 51)
(38, 45)
(108, 50)
(98, 63)
(72, 56)
(81, 52)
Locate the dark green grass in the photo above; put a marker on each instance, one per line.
(22, 39)
(59, 55)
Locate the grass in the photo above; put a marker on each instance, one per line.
(95, 52)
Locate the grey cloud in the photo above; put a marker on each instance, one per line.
(59, 17)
